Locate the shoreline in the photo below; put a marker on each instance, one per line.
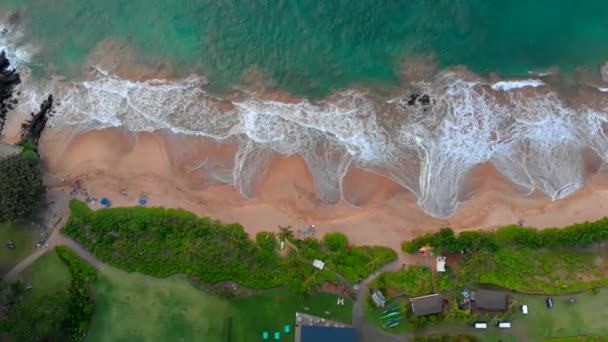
(161, 166)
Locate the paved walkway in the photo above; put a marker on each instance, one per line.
(366, 331)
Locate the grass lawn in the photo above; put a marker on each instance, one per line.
(587, 316)
(266, 312)
(47, 275)
(372, 315)
(25, 241)
(136, 307)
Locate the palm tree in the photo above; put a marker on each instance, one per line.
(374, 263)
(285, 233)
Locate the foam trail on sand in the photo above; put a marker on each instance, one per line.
(427, 146)
(533, 139)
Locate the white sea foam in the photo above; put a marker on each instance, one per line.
(514, 84)
(533, 139)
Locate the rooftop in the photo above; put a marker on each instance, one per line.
(328, 334)
(491, 300)
(427, 305)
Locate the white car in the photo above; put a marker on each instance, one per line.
(524, 309)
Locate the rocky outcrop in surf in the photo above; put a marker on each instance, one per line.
(31, 130)
(9, 79)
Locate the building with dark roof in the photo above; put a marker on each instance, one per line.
(327, 334)
(427, 305)
(490, 300)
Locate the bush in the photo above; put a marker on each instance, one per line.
(161, 242)
(335, 241)
(78, 268)
(80, 209)
(21, 189)
(578, 235)
(80, 304)
(412, 281)
(266, 241)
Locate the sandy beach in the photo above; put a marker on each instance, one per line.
(167, 168)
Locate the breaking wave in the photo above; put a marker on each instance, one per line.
(426, 138)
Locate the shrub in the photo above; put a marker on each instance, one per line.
(577, 235)
(162, 242)
(80, 304)
(335, 241)
(266, 241)
(412, 281)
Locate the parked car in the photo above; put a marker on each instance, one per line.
(481, 325)
(524, 309)
(504, 325)
(549, 302)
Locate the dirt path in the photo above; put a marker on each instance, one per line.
(56, 218)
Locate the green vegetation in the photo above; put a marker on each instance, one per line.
(412, 281)
(38, 314)
(352, 262)
(271, 310)
(524, 259)
(80, 305)
(373, 314)
(546, 271)
(24, 239)
(136, 307)
(21, 188)
(578, 339)
(578, 235)
(586, 316)
(162, 242)
(58, 307)
(444, 338)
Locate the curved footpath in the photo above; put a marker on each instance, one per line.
(59, 200)
(366, 331)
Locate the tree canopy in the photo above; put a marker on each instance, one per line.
(21, 188)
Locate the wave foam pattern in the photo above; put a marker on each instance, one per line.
(532, 138)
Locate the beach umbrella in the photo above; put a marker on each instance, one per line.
(143, 201)
(105, 201)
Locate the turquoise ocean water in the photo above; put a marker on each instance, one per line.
(311, 47)
(533, 132)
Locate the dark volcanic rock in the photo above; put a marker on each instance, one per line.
(32, 129)
(9, 79)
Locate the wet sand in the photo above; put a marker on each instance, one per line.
(186, 172)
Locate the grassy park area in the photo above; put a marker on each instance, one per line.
(136, 307)
(271, 310)
(47, 276)
(133, 306)
(24, 239)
